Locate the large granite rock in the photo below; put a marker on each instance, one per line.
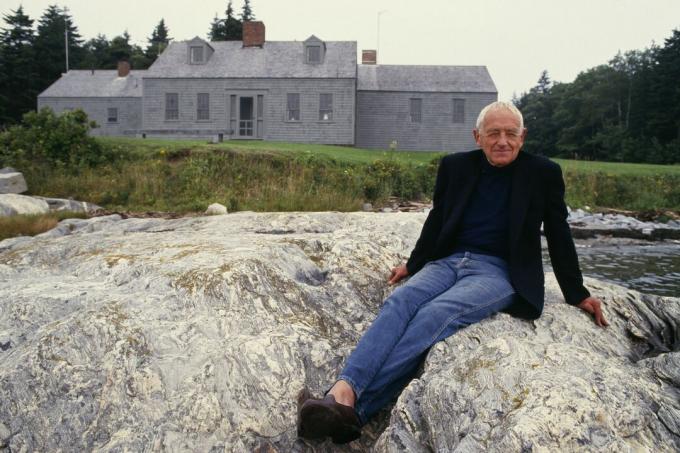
(196, 334)
(13, 204)
(12, 181)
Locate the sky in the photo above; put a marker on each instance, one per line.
(515, 39)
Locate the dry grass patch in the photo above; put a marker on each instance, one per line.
(30, 225)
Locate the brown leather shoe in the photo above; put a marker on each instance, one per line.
(321, 418)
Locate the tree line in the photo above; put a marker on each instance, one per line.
(627, 110)
(33, 55)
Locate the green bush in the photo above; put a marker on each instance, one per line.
(45, 137)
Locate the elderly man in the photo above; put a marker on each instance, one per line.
(479, 253)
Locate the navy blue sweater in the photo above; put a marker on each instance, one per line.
(484, 225)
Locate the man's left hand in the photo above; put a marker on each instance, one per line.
(593, 306)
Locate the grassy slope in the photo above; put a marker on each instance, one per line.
(183, 175)
(339, 153)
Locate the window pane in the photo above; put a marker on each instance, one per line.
(203, 106)
(197, 54)
(112, 115)
(232, 106)
(416, 110)
(459, 110)
(313, 54)
(325, 106)
(171, 106)
(293, 107)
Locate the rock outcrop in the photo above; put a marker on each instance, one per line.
(13, 204)
(195, 334)
(12, 181)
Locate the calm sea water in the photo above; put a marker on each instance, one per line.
(652, 268)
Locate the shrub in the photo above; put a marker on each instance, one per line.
(45, 137)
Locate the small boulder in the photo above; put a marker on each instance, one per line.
(12, 182)
(13, 204)
(216, 209)
(367, 207)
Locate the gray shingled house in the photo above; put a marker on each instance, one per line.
(310, 91)
(111, 98)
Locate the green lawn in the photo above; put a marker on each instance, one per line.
(340, 153)
(359, 155)
(618, 168)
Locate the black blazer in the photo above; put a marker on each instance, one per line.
(537, 197)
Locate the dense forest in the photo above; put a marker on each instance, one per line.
(627, 110)
(33, 53)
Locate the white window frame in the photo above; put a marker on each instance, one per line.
(458, 117)
(192, 54)
(416, 110)
(291, 108)
(171, 114)
(326, 111)
(203, 111)
(308, 53)
(112, 119)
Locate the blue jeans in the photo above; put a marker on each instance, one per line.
(445, 296)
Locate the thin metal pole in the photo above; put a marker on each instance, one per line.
(377, 46)
(66, 43)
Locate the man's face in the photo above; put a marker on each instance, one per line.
(500, 137)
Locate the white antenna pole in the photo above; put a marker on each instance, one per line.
(66, 43)
(377, 44)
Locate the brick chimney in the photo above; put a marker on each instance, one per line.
(123, 68)
(369, 57)
(253, 34)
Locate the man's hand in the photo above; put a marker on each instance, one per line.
(397, 274)
(592, 306)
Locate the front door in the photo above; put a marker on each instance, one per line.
(246, 117)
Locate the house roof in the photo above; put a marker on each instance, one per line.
(100, 83)
(425, 78)
(276, 59)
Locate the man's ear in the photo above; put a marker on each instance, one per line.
(524, 134)
(475, 134)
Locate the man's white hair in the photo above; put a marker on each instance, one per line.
(496, 106)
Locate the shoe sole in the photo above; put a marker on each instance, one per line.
(319, 421)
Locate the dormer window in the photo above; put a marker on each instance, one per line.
(199, 51)
(196, 53)
(313, 54)
(315, 50)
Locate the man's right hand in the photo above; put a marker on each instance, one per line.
(397, 274)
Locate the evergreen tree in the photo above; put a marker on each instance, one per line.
(120, 49)
(97, 53)
(537, 107)
(247, 12)
(217, 31)
(665, 115)
(158, 41)
(50, 45)
(17, 73)
(233, 28)
(227, 29)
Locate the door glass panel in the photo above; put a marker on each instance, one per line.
(245, 126)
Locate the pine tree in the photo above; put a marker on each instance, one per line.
(247, 12)
(17, 72)
(97, 53)
(49, 45)
(120, 49)
(217, 31)
(158, 41)
(665, 112)
(233, 28)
